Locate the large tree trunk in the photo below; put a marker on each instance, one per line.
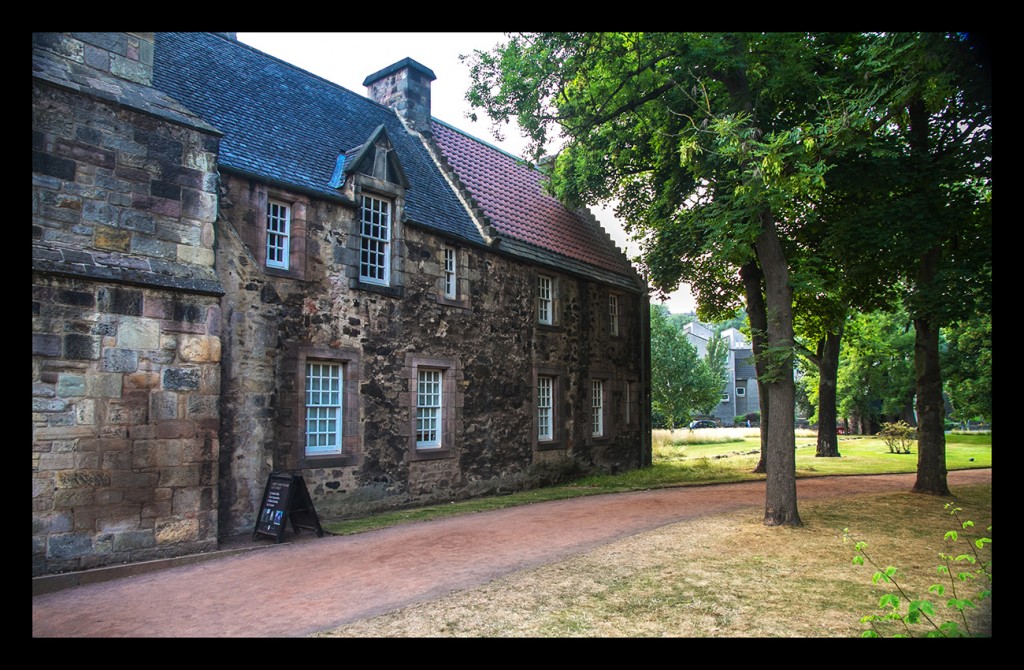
(931, 412)
(931, 436)
(828, 374)
(780, 481)
(758, 316)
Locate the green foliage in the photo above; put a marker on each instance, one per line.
(753, 417)
(681, 382)
(876, 367)
(958, 570)
(898, 436)
(967, 367)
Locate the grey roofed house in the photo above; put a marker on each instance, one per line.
(740, 395)
(241, 268)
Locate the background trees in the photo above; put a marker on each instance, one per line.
(681, 381)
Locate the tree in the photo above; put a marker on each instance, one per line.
(714, 146)
(876, 373)
(681, 382)
(926, 98)
(967, 367)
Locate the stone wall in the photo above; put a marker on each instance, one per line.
(125, 311)
(488, 339)
(125, 414)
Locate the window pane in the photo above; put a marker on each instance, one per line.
(544, 299)
(323, 408)
(375, 240)
(597, 408)
(428, 409)
(278, 234)
(449, 272)
(545, 428)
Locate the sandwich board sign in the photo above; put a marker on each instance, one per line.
(285, 499)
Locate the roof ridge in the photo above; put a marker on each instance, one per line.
(476, 212)
(483, 142)
(293, 66)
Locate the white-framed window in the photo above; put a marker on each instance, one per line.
(597, 408)
(545, 408)
(725, 397)
(278, 234)
(428, 408)
(324, 413)
(740, 391)
(450, 287)
(375, 241)
(613, 314)
(544, 299)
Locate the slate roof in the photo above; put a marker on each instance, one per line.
(288, 126)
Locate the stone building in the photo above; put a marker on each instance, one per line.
(740, 395)
(241, 268)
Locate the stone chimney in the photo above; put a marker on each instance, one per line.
(405, 87)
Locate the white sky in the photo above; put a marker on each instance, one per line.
(347, 58)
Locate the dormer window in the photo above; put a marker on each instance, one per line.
(375, 241)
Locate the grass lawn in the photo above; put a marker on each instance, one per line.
(727, 575)
(688, 457)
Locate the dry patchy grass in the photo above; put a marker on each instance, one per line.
(722, 576)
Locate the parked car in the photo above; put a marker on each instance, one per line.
(703, 423)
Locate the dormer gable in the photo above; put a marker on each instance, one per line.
(375, 158)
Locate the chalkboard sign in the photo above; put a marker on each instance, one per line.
(285, 499)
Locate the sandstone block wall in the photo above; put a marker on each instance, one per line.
(125, 420)
(126, 313)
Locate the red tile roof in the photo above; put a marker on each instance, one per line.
(511, 195)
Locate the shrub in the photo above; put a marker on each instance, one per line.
(898, 436)
(921, 613)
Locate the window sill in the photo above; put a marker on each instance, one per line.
(549, 445)
(392, 291)
(327, 461)
(432, 454)
(451, 302)
(286, 274)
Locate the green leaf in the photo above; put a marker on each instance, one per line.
(858, 560)
(937, 588)
(959, 603)
(924, 606)
(889, 600)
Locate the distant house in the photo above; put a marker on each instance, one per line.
(242, 268)
(740, 393)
